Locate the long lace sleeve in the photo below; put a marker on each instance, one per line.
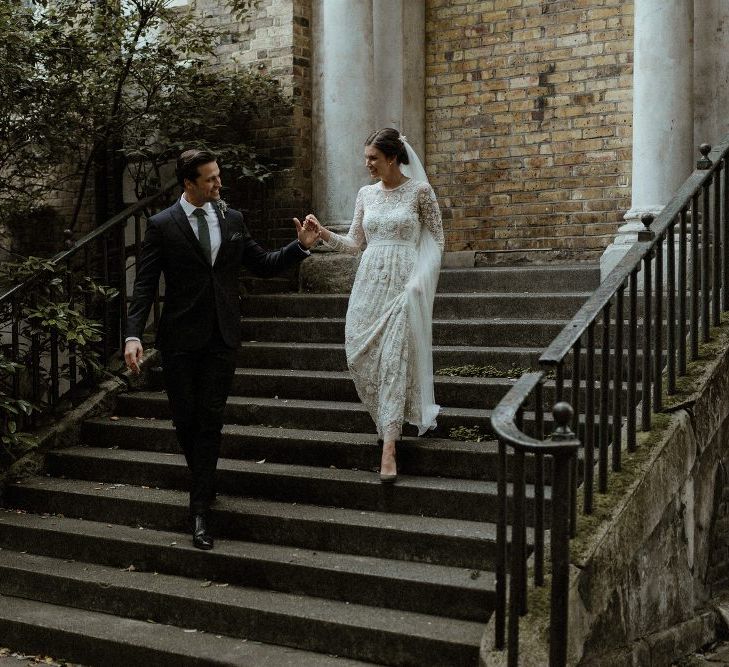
(354, 240)
(429, 213)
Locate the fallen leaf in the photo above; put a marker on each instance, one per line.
(261, 461)
(173, 544)
(114, 418)
(131, 568)
(222, 585)
(206, 584)
(189, 630)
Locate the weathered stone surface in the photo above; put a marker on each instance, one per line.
(328, 272)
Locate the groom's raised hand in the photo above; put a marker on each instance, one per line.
(307, 233)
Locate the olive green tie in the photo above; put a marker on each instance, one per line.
(203, 233)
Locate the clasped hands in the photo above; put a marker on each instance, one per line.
(308, 232)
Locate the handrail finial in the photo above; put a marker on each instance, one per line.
(647, 233)
(563, 414)
(704, 162)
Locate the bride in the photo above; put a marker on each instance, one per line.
(388, 331)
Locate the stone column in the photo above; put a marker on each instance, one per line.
(663, 154)
(343, 105)
(368, 73)
(711, 71)
(399, 40)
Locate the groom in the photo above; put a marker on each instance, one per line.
(200, 248)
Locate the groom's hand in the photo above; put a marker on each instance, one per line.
(133, 352)
(308, 234)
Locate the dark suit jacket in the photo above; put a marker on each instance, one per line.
(197, 294)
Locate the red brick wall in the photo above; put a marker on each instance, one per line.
(528, 123)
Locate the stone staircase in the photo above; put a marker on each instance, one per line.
(316, 562)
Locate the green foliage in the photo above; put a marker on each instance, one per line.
(472, 370)
(13, 443)
(46, 315)
(473, 433)
(94, 85)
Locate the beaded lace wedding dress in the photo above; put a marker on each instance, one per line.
(388, 332)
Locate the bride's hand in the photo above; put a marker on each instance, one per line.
(311, 222)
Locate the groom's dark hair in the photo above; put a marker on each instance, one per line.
(189, 161)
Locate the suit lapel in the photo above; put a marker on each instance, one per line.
(178, 215)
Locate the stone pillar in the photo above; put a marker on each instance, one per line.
(663, 154)
(711, 71)
(369, 73)
(399, 39)
(343, 105)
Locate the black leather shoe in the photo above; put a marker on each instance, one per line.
(200, 536)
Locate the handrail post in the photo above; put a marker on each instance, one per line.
(560, 535)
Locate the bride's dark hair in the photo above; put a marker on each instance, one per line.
(388, 141)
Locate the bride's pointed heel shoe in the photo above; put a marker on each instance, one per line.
(388, 478)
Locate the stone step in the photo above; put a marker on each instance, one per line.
(476, 332)
(301, 414)
(251, 284)
(468, 500)
(331, 356)
(421, 587)
(94, 638)
(459, 392)
(348, 417)
(446, 306)
(467, 392)
(535, 279)
(450, 542)
(532, 278)
(355, 451)
(463, 392)
(361, 632)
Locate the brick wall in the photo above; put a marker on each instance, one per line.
(528, 123)
(275, 41)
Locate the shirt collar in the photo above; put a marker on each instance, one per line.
(189, 208)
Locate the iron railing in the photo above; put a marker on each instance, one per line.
(675, 280)
(108, 255)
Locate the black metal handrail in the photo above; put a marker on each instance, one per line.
(682, 256)
(103, 254)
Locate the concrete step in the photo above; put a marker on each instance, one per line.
(315, 415)
(301, 414)
(468, 500)
(476, 332)
(424, 588)
(95, 638)
(450, 542)
(533, 278)
(469, 392)
(250, 284)
(462, 392)
(331, 356)
(360, 632)
(446, 306)
(355, 451)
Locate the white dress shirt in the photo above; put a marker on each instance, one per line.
(213, 224)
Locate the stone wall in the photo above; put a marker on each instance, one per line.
(528, 123)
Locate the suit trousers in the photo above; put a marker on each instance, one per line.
(198, 383)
